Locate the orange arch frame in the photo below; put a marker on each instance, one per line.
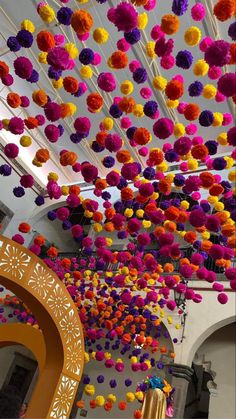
(46, 296)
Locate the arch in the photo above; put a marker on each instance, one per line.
(30, 279)
(211, 329)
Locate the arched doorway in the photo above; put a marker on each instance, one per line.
(27, 277)
(211, 391)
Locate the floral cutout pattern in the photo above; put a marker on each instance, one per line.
(41, 281)
(73, 357)
(65, 395)
(70, 327)
(14, 261)
(58, 301)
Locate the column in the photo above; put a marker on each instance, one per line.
(181, 377)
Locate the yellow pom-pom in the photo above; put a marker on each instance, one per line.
(65, 190)
(218, 119)
(57, 84)
(88, 214)
(125, 270)
(100, 35)
(42, 57)
(232, 176)
(25, 141)
(146, 224)
(86, 357)
(139, 213)
(150, 49)
(108, 124)
(82, 1)
(155, 195)
(184, 205)
(142, 21)
(126, 87)
(86, 72)
(200, 68)
(170, 177)
(219, 206)
(46, 13)
(212, 199)
(130, 397)
(139, 395)
(100, 401)
(178, 326)
(97, 227)
(170, 320)
(27, 25)
(172, 103)
(111, 398)
(53, 176)
(192, 36)
(159, 83)
(222, 138)
(128, 212)
(36, 163)
(138, 110)
(179, 130)
(72, 50)
(229, 161)
(192, 164)
(107, 355)
(205, 235)
(163, 167)
(209, 91)
(89, 389)
(109, 241)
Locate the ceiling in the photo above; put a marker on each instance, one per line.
(11, 15)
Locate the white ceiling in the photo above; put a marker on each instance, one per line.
(13, 12)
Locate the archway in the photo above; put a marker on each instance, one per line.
(28, 277)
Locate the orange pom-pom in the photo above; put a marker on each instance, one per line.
(70, 84)
(170, 24)
(207, 179)
(122, 405)
(127, 104)
(141, 136)
(24, 227)
(80, 404)
(97, 217)
(31, 122)
(4, 69)
(101, 184)
(233, 54)
(199, 151)
(156, 156)
(190, 236)
(42, 155)
(224, 9)
(216, 189)
(172, 213)
(81, 21)
(68, 158)
(174, 89)
(164, 187)
(39, 97)
(192, 111)
(123, 156)
(39, 240)
(94, 102)
(75, 189)
(127, 194)
(118, 60)
(101, 137)
(138, 414)
(45, 41)
(13, 100)
(52, 252)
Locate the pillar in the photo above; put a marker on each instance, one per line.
(181, 377)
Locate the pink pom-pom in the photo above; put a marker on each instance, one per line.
(222, 298)
(198, 12)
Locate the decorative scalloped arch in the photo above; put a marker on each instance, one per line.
(30, 279)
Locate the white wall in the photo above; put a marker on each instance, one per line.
(219, 348)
